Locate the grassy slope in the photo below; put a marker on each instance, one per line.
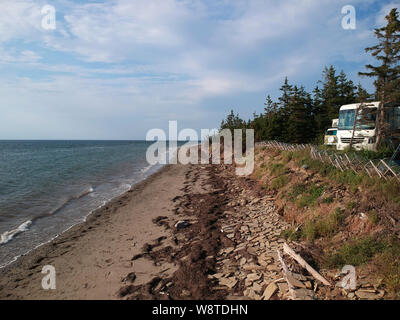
(343, 218)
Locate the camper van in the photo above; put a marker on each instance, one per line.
(365, 131)
(330, 138)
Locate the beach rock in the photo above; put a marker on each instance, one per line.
(364, 295)
(283, 287)
(182, 224)
(294, 282)
(131, 277)
(269, 291)
(253, 277)
(304, 294)
(228, 282)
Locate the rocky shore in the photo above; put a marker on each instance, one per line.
(188, 232)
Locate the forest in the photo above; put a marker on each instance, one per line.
(299, 116)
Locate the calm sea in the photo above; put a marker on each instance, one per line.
(48, 186)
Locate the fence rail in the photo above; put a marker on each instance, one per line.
(378, 168)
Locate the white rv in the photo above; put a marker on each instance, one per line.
(365, 133)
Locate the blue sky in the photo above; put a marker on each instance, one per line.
(115, 69)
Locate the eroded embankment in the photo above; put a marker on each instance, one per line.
(339, 218)
(223, 240)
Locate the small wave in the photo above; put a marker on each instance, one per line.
(144, 170)
(9, 235)
(84, 193)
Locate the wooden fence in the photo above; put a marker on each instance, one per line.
(379, 168)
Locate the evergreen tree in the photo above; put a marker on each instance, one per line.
(320, 113)
(347, 93)
(300, 128)
(362, 95)
(233, 122)
(387, 74)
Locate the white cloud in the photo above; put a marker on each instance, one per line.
(158, 59)
(380, 20)
(19, 19)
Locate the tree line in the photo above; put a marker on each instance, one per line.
(299, 116)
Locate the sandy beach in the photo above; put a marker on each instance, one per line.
(93, 258)
(132, 247)
(186, 232)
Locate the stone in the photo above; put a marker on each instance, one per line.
(273, 268)
(366, 295)
(256, 287)
(299, 277)
(269, 291)
(304, 294)
(131, 277)
(228, 282)
(283, 287)
(182, 224)
(253, 277)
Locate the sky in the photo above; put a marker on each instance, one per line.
(115, 69)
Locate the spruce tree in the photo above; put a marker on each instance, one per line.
(387, 73)
(300, 128)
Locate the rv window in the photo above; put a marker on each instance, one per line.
(346, 119)
(367, 119)
(393, 118)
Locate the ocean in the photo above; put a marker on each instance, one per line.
(46, 187)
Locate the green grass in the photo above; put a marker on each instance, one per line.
(295, 191)
(277, 169)
(290, 234)
(373, 217)
(312, 193)
(327, 200)
(279, 182)
(316, 228)
(323, 226)
(356, 253)
(305, 195)
(287, 156)
(388, 263)
(384, 253)
(390, 189)
(351, 205)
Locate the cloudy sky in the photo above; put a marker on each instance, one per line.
(113, 69)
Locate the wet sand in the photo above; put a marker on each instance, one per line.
(92, 260)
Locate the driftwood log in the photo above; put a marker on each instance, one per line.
(304, 264)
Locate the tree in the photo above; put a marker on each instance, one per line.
(387, 74)
(346, 89)
(233, 122)
(362, 95)
(300, 128)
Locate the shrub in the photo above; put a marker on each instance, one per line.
(327, 200)
(356, 253)
(323, 227)
(277, 169)
(279, 182)
(308, 198)
(373, 217)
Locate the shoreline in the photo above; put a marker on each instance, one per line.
(10, 275)
(84, 219)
